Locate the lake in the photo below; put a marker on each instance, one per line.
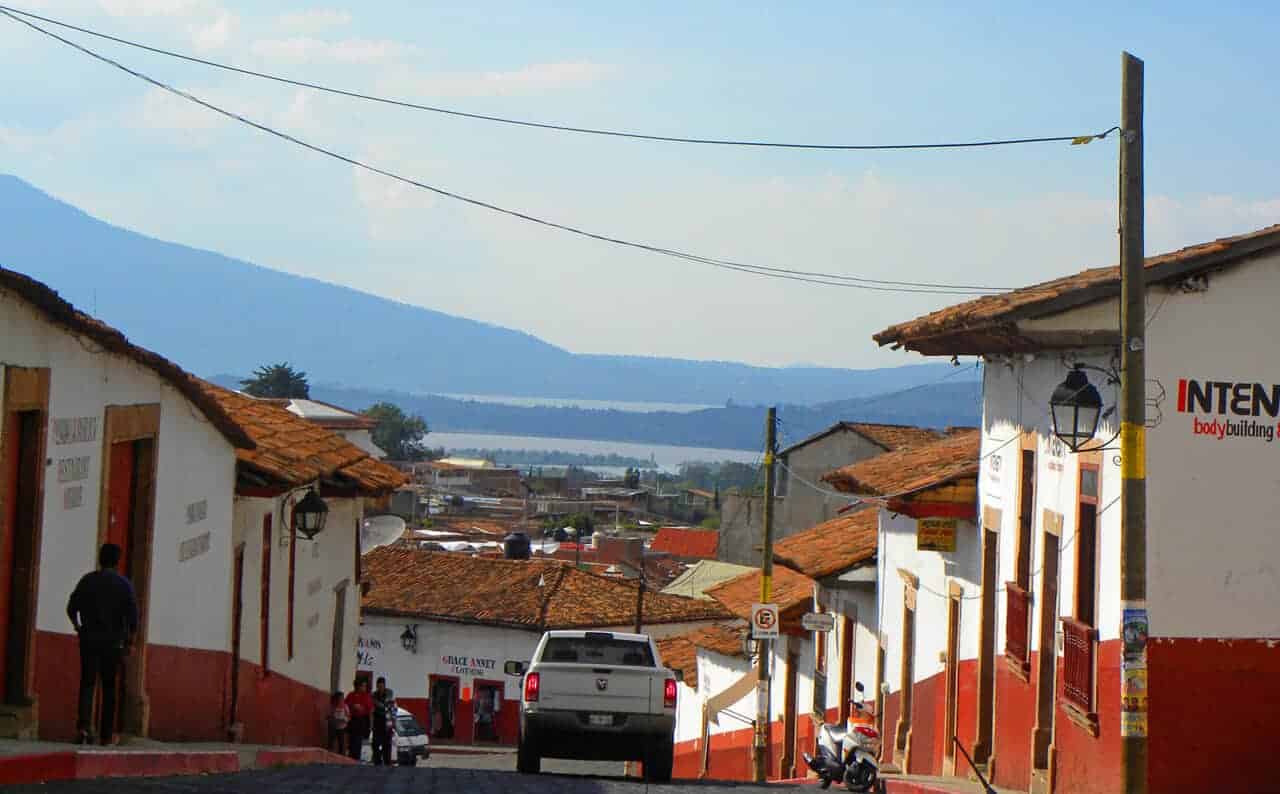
(667, 457)
(573, 402)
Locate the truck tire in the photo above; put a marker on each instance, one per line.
(528, 762)
(658, 763)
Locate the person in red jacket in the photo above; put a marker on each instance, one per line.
(360, 704)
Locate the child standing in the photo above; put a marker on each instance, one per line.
(339, 716)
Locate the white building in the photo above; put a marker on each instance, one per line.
(104, 441)
(440, 627)
(1051, 523)
(354, 427)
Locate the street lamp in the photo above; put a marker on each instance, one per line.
(1076, 406)
(309, 515)
(409, 639)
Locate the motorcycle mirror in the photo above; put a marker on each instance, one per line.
(858, 686)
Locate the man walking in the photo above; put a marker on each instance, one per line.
(384, 714)
(104, 611)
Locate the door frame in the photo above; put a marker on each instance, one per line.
(339, 630)
(984, 733)
(791, 700)
(432, 678)
(237, 630)
(476, 684)
(1042, 747)
(134, 423)
(906, 685)
(951, 674)
(26, 390)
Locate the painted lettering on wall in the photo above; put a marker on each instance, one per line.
(1256, 406)
(73, 469)
(193, 547)
(469, 665)
(75, 430)
(197, 511)
(367, 649)
(72, 497)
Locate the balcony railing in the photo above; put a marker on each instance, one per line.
(1017, 643)
(1079, 643)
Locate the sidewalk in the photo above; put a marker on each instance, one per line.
(892, 783)
(35, 762)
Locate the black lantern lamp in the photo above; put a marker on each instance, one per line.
(1076, 406)
(309, 515)
(409, 639)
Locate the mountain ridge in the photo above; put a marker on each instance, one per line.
(213, 313)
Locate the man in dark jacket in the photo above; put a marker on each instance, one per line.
(104, 611)
(384, 715)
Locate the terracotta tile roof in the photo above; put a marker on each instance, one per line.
(790, 590)
(990, 322)
(889, 437)
(699, 543)
(294, 451)
(61, 313)
(833, 546)
(913, 468)
(681, 651)
(533, 594)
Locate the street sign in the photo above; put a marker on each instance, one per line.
(818, 621)
(764, 621)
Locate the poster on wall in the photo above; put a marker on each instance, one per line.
(936, 534)
(1133, 669)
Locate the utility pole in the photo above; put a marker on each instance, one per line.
(763, 693)
(1133, 447)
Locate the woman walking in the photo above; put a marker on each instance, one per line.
(360, 707)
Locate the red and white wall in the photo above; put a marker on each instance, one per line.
(188, 610)
(938, 575)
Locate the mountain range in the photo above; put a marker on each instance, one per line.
(215, 314)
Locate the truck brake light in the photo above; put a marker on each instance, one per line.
(531, 687)
(669, 694)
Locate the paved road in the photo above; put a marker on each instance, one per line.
(441, 775)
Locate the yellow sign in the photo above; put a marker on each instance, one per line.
(936, 534)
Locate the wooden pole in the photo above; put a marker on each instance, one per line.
(1133, 483)
(764, 694)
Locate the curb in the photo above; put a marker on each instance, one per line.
(93, 764)
(300, 756)
(70, 765)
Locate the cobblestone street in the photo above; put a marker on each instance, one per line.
(453, 775)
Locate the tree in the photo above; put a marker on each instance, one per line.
(277, 380)
(401, 435)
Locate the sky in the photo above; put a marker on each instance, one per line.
(828, 72)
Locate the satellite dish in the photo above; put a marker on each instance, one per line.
(380, 531)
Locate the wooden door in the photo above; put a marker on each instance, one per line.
(339, 646)
(237, 627)
(120, 501)
(11, 436)
(789, 718)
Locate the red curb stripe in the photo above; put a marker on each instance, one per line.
(17, 769)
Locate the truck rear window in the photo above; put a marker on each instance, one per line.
(597, 650)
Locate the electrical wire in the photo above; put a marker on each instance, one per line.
(1074, 139)
(824, 279)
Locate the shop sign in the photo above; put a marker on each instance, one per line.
(936, 534)
(367, 650)
(469, 665)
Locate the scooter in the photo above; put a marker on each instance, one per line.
(848, 753)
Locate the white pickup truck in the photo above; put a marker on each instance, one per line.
(597, 696)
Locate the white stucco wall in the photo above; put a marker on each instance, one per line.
(1016, 397)
(858, 603)
(194, 463)
(1211, 502)
(936, 571)
(321, 566)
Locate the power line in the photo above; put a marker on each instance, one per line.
(824, 279)
(1074, 139)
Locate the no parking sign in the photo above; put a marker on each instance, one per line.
(764, 621)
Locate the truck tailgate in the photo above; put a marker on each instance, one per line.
(583, 687)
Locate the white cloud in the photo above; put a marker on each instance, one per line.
(306, 48)
(217, 33)
(153, 8)
(531, 79)
(314, 19)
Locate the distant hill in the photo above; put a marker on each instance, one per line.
(212, 314)
(944, 404)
